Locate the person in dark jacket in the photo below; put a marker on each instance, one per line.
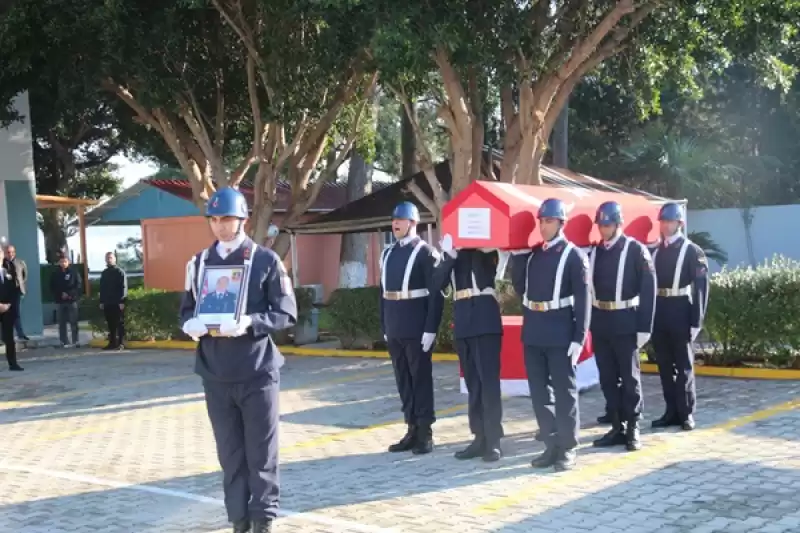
(66, 286)
(113, 295)
(21, 269)
(8, 309)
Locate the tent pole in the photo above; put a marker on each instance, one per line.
(293, 246)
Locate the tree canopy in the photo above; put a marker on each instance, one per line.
(522, 60)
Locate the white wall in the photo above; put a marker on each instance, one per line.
(773, 231)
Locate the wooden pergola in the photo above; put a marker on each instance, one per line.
(56, 202)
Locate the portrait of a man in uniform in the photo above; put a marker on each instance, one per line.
(220, 295)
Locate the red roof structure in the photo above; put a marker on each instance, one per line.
(332, 196)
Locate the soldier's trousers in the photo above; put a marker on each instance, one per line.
(413, 372)
(617, 359)
(480, 361)
(675, 358)
(554, 393)
(245, 418)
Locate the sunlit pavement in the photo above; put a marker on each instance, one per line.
(93, 441)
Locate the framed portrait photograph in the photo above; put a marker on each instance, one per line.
(221, 295)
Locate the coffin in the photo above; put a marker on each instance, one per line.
(489, 214)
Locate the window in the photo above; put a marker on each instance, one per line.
(388, 239)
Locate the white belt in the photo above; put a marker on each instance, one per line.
(551, 305)
(672, 293)
(407, 295)
(616, 306)
(463, 294)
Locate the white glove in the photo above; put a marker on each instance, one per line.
(232, 328)
(519, 252)
(427, 341)
(195, 328)
(386, 338)
(446, 244)
(641, 339)
(695, 333)
(574, 351)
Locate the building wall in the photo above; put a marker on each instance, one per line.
(168, 243)
(18, 209)
(772, 232)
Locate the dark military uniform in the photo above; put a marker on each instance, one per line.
(8, 296)
(624, 301)
(478, 331)
(682, 273)
(408, 309)
(241, 379)
(553, 281)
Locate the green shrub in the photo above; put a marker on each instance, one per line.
(305, 304)
(150, 314)
(753, 314)
(353, 315)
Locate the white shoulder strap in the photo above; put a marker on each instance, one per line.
(384, 261)
(676, 279)
(562, 262)
(592, 255)
(621, 270)
(410, 266)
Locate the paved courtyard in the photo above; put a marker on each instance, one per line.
(121, 443)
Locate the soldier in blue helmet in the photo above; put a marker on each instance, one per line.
(478, 331)
(410, 313)
(553, 281)
(240, 364)
(682, 278)
(623, 297)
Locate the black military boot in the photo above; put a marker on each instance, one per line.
(241, 526)
(614, 437)
(546, 459)
(424, 441)
(667, 419)
(407, 442)
(475, 449)
(566, 461)
(632, 438)
(492, 453)
(262, 526)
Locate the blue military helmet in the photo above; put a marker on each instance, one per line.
(227, 202)
(406, 211)
(552, 208)
(608, 213)
(671, 212)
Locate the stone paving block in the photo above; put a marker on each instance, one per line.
(96, 432)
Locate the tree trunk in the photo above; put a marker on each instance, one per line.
(353, 258)
(408, 143)
(55, 239)
(561, 139)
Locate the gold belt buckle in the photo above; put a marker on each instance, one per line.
(463, 294)
(392, 295)
(607, 306)
(663, 292)
(538, 306)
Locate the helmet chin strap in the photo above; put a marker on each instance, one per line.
(236, 236)
(411, 232)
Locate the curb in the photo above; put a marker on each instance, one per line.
(647, 368)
